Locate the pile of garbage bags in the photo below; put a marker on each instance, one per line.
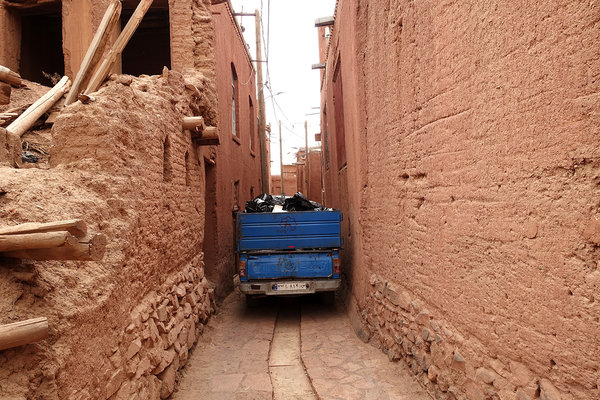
(268, 203)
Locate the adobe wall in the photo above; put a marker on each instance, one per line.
(130, 320)
(477, 153)
(313, 192)
(315, 176)
(122, 327)
(234, 159)
(276, 184)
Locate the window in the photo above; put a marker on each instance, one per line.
(41, 44)
(338, 103)
(252, 121)
(235, 117)
(149, 49)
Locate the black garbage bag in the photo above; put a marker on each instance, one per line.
(299, 202)
(263, 203)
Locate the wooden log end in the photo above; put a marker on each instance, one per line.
(209, 137)
(194, 124)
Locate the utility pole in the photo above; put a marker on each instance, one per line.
(264, 171)
(281, 156)
(307, 172)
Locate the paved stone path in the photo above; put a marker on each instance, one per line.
(252, 354)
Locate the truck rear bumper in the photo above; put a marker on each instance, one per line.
(277, 287)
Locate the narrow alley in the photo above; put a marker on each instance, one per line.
(316, 200)
(290, 348)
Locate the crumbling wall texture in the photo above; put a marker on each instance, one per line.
(123, 326)
(119, 328)
(476, 150)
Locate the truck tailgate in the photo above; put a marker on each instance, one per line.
(289, 265)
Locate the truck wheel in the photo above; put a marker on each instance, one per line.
(327, 298)
(251, 301)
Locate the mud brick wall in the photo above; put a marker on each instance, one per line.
(122, 164)
(473, 171)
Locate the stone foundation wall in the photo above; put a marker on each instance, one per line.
(405, 329)
(156, 343)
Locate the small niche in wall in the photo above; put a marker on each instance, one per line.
(167, 167)
(187, 168)
(236, 195)
(41, 49)
(149, 49)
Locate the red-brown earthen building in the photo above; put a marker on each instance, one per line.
(123, 326)
(460, 140)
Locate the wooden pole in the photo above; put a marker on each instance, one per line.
(195, 124)
(281, 156)
(5, 90)
(26, 241)
(111, 16)
(23, 332)
(37, 109)
(118, 46)
(89, 248)
(262, 134)
(8, 76)
(75, 227)
(307, 169)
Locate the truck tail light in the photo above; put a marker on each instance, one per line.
(336, 265)
(242, 268)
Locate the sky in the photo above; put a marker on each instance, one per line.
(291, 36)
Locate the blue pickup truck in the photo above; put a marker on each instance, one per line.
(289, 253)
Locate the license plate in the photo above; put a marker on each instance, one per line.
(289, 286)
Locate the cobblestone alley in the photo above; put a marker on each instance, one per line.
(290, 348)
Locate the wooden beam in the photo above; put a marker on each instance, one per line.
(89, 248)
(195, 124)
(111, 16)
(23, 332)
(75, 227)
(324, 21)
(209, 137)
(27, 241)
(8, 76)
(5, 90)
(118, 46)
(37, 109)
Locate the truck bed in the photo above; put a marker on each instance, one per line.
(289, 230)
